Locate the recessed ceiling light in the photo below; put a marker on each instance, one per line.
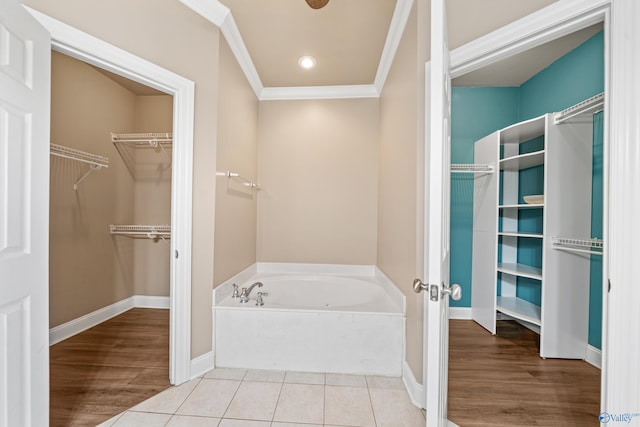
(307, 61)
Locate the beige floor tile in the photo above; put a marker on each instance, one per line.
(304, 378)
(346, 380)
(277, 424)
(348, 406)
(394, 383)
(110, 421)
(189, 421)
(137, 419)
(226, 374)
(392, 408)
(300, 403)
(169, 400)
(265, 376)
(210, 398)
(254, 401)
(243, 423)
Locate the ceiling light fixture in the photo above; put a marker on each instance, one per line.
(307, 62)
(317, 4)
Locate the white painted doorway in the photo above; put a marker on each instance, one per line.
(554, 22)
(86, 48)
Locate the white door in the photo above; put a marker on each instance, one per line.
(25, 61)
(437, 164)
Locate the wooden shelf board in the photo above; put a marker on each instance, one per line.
(520, 270)
(519, 309)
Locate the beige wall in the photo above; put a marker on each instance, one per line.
(236, 204)
(152, 196)
(88, 269)
(318, 168)
(400, 197)
(172, 36)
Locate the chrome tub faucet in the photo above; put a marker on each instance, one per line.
(244, 295)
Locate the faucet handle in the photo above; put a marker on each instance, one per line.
(235, 293)
(259, 300)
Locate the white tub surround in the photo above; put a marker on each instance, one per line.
(316, 318)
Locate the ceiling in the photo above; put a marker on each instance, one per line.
(347, 37)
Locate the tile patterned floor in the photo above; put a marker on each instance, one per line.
(240, 398)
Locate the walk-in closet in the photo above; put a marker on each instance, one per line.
(110, 210)
(527, 206)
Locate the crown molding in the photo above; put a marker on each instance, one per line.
(396, 29)
(220, 16)
(319, 92)
(556, 20)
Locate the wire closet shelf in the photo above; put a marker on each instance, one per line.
(589, 246)
(591, 105)
(143, 140)
(152, 232)
(471, 168)
(95, 161)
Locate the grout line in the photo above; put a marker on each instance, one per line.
(375, 421)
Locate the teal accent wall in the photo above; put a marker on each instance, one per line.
(477, 112)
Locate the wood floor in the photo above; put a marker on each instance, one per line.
(107, 369)
(502, 381)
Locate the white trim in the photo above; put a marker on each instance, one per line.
(414, 389)
(92, 50)
(621, 343)
(319, 92)
(202, 364)
(220, 16)
(594, 356)
(396, 29)
(460, 313)
(554, 21)
(75, 326)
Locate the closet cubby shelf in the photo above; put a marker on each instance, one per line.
(522, 161)
(590, 246)
(519, 309)
(520, 234)
(141, 231)
(520, 270)
(523, 206)
(143, 140)
(471, 168)
(95, 161)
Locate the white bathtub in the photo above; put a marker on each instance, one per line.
(316, 318)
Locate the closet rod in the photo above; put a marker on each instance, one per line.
(590, 246)
(246, 182)
(591, 105)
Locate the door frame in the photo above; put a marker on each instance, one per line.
(84, 47)
(552, 22)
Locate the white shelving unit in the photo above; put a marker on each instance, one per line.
(559, 278)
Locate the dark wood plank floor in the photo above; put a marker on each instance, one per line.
(502, 381)
(107, 369)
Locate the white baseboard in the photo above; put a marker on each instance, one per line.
(75, 326)
(202, 364)
(594, 356)
(460, 313)
(414, 388)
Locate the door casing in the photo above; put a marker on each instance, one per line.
(89, 49)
